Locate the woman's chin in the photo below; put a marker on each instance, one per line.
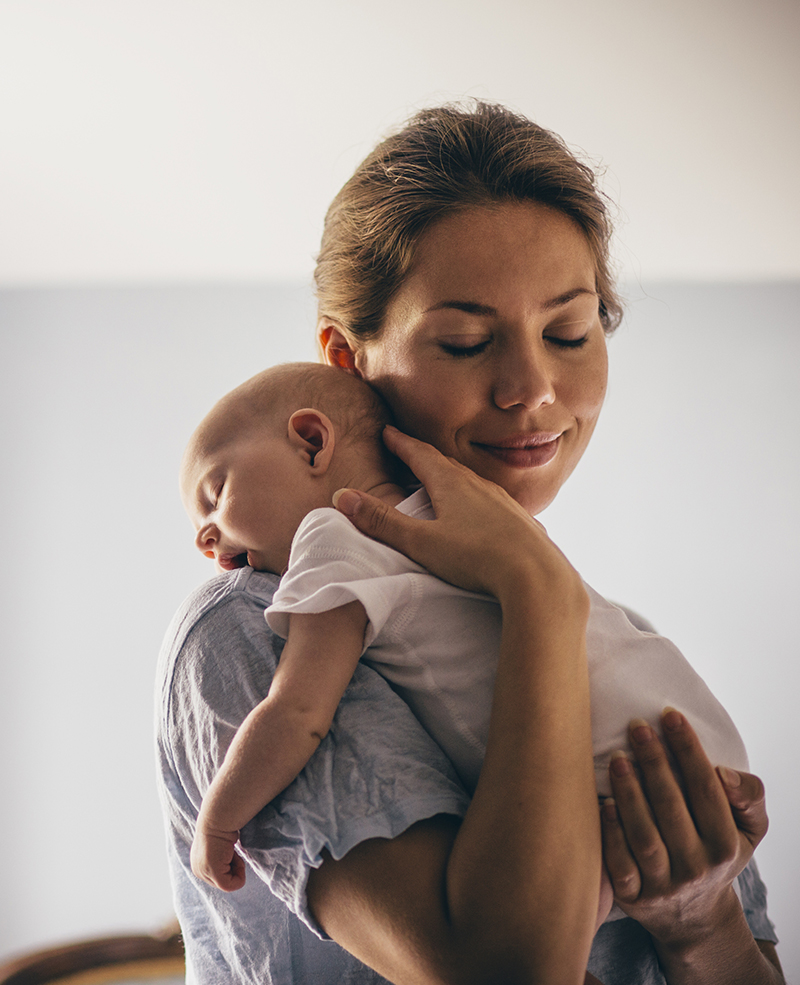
(532, 488)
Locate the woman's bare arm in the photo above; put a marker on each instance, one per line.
(509, 894)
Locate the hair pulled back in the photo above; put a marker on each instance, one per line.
(443, 160)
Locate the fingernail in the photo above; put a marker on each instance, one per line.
(620, 764)
(641, 731)
(347, 501)
(672, 719)
(729, 777)
(609, 809)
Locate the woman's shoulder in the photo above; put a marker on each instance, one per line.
(223, 616)
(213, 602)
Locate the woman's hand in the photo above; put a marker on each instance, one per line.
(674, 845)
(480, 538)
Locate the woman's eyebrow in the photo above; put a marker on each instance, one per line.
(565, 298)
(470, 307)
(476, 308)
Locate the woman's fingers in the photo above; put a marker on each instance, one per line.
(481, 539)
(443, 549)
(677, 831)
(745, 794)
(690, 823)
(709, 790)
(375, 518)
(646, 848)
(621, 866)
(665, 798)
(425, 461)
(705, 794)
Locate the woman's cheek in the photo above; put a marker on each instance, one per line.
(417, 400)
(589, 388)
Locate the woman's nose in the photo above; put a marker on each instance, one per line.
(207, 538)
(524, 380)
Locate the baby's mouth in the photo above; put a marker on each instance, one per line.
(230, 562)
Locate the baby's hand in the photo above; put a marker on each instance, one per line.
(215, 859)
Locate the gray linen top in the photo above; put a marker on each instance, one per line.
(376, 773)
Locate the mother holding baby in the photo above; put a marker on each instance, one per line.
(464, 273)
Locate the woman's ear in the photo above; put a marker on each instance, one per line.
(311, 432)
(334, 346)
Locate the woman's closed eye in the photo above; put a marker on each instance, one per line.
(463, 347)
(568, 332)
(567, 343)
(460, 350)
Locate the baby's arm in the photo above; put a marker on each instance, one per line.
(279, 736)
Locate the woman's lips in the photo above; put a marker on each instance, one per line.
(524, 452)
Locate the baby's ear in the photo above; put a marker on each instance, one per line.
(311, 433)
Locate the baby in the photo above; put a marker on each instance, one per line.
(257, 479)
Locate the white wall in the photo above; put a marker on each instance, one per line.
(685, 507)
(163, 140)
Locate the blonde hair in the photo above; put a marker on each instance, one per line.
(443, 160)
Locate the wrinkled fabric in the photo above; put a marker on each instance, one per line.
(438, 647)
(376, 773)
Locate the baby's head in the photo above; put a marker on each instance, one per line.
(272, 450)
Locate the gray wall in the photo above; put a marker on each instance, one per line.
(685, 507)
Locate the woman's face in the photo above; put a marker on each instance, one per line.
(493, 351)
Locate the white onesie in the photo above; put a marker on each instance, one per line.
(438, 647)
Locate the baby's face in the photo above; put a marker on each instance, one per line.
(246, 501)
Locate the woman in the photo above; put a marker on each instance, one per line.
(464, 273)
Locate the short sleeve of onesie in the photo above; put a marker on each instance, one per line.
(331, 564)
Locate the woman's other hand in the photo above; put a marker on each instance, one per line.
(673, 845)
(481, 537)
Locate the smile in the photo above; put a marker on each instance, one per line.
(525, 452)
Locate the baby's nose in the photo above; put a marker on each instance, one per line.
(206, 539)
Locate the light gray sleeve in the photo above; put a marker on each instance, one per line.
(754, 903)
(376, 773)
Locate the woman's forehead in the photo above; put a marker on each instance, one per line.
(483, 253)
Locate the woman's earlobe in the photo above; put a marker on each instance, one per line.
(334, 346)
